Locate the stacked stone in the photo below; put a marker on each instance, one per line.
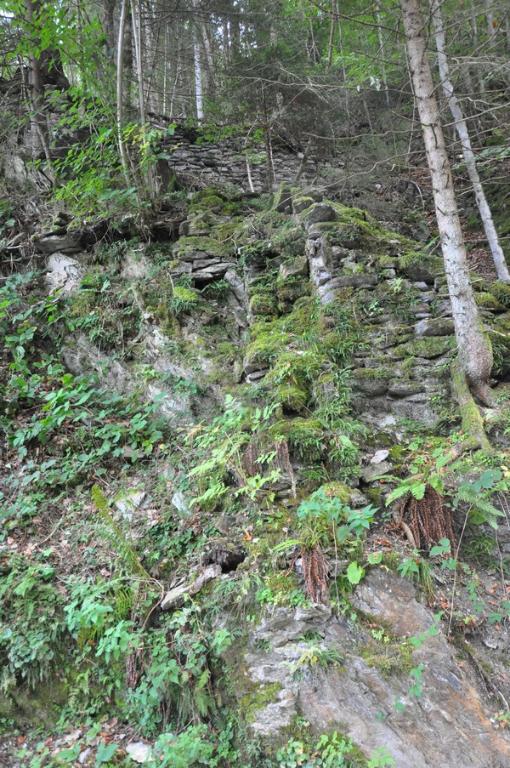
(225, 162)
(399, 364)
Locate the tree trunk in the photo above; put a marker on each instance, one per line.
(474, 350)
(120, 91)
(109, 28)
(382, 52)
(467, 152)
(197, 64)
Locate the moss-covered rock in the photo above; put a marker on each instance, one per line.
(489, 301)
(263, 304)
(372, 381)
(428, 348)
(336, 490)
(292, 397)
(305, 436)
(197, 246)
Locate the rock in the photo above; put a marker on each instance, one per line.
(57, 243)
(84, 756)
(373, 471)
(379, 456)
(64, 273)
(296, 267)
(357, 499)
(320, 212)
(179, 501)
(445, 725)
(139, 752)
(129, 501)
(174, 598)
(136, 266)
(436, 326)
(403, 388)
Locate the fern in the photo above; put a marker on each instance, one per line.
(116, 536)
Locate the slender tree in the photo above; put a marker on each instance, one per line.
(465, 140)
(474, 350)
(120, 90)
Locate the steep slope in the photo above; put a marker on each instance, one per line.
(203, 431)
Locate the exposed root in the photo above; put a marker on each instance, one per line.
(472, 421)
(315, 573)
(425, 521)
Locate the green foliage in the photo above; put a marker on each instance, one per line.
(31, 622)
(176, 683)
(218, 448)
(329, 751)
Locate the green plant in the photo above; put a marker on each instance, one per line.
(219, 453)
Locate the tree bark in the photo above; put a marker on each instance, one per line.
(120, 91)
(197, 65)
(474, 350)
(469, 157)
(382, 52)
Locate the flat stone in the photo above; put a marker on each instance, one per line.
(379, 456)
(129, 501)
(139, 752)
(174, 598)
(434, 326)
(57, 243)
(373, 471)
(404, 388)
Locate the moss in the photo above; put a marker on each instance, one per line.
(290, 289)
(258, 698)
(267, 341)
(263, 304)
(293, 398)
(389, 658)
(209, 201)
(370, 374)
(187, 247)
(487, 300)
(471, 418)
(305, 436)
(429, 348)
(501, 291)
(337, 490)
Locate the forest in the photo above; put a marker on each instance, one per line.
(255, 383)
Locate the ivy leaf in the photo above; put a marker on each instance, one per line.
(105, 752)
(374, 558)
(355, 573)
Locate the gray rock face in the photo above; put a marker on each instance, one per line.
(445, 725)
(64, 273)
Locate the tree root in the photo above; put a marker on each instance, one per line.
(472, 421)
(425, 521)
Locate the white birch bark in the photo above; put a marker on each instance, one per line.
(382, 52)
(474, 351)
(467, 151)
(197, 65)
(120, 91)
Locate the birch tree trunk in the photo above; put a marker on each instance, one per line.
(120, 91)
(474, 350)
(467, 151)
(197, 64)
(382, 51)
